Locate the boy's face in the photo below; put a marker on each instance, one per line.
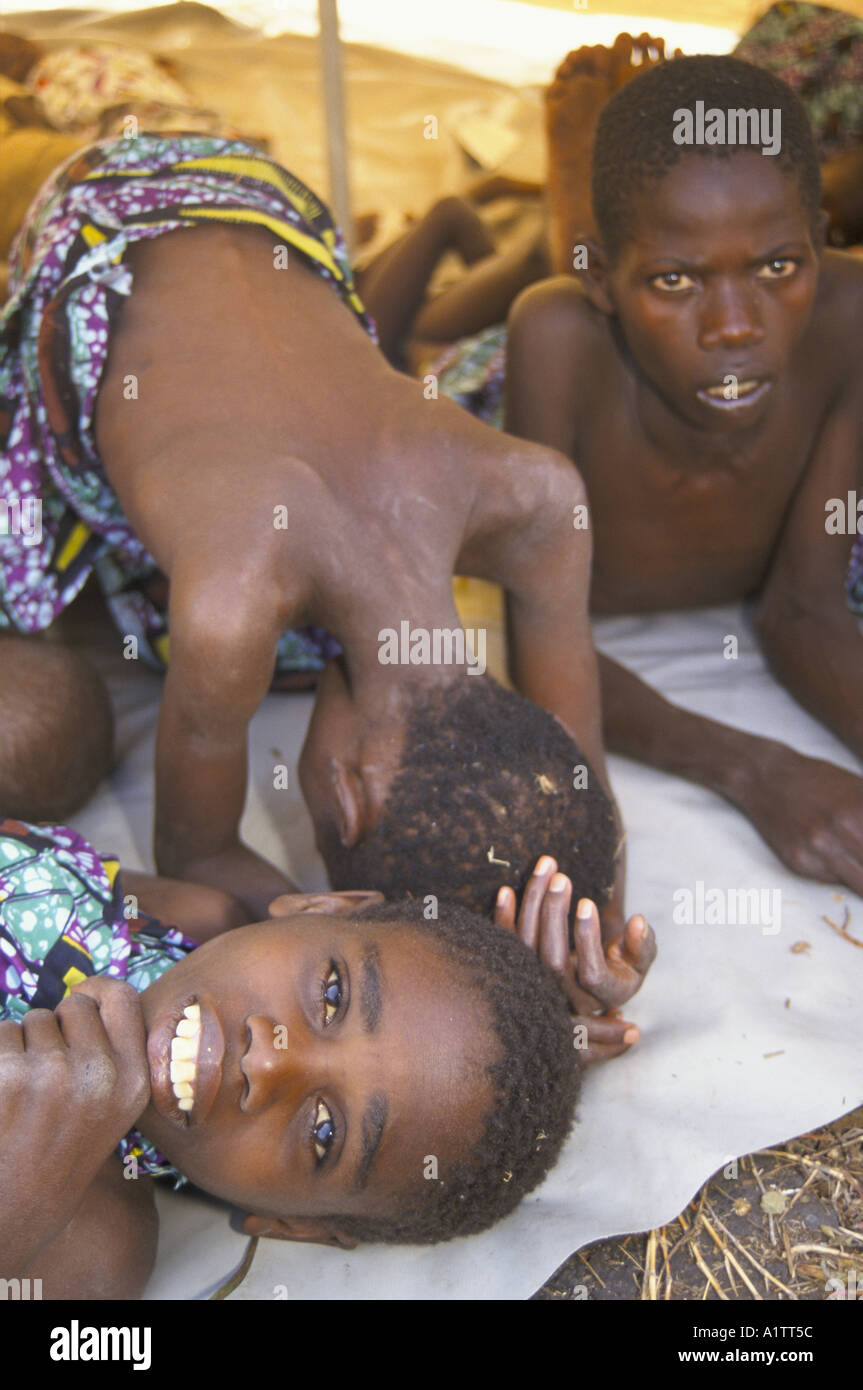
(347, 764)
(334, 1058)
(715, 286)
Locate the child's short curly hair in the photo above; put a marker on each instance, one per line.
(488, 781)
(535, 1078)
(634, 146)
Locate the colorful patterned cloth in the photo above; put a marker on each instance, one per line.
(819, 53)
(68, 281)
(472, 373)
(62, 919)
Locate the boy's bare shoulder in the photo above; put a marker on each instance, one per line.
(558, 312)
(560, 354)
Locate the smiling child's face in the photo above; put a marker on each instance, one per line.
(715, 286)
(334, 1058)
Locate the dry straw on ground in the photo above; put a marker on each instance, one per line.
(782, 1224)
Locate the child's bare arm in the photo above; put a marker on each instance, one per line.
(807, 630)
(222, 659)
(201, 912)
(531, 542)
(814, 646)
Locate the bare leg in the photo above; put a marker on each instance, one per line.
(56, 733)
(582, 85)
(490, 186)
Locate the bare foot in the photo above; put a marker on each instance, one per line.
(582, 85)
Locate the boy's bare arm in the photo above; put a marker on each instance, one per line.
(808, 632)
(528, 543)
(201, 912)
(222, 659)
(814, 645)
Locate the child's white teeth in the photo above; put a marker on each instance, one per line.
(742, 387)
(185, 1045)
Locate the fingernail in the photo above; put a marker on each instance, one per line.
(632, 1035)
(545, 865)
(558, 884)
(584, 909)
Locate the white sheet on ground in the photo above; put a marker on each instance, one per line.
(745, 1043)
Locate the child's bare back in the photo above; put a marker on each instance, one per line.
(281, 473)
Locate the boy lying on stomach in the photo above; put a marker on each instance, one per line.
(704, 377)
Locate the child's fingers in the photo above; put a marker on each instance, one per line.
(607, 1036)
(639, 944)
(554, 924)
(11, 1037)
(122, 1019)
(592, 971)
(39, 1031)
(79, 1020)
(504, 909)
(531, 902)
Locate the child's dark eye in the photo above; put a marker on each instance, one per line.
(671, 281)
(323, 1130)
(780, 268)
(332, 993)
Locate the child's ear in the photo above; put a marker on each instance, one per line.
(593, 276)
(342, 904)
(351, 808)
(303, 1228)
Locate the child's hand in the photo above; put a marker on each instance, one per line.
(596, 980)
(72, 1082)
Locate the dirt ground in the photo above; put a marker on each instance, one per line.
(782, 1224)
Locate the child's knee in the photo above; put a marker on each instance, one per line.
(57, 730)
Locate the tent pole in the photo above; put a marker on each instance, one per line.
(334, 113)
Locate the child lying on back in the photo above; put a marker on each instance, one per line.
(303, 1069)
